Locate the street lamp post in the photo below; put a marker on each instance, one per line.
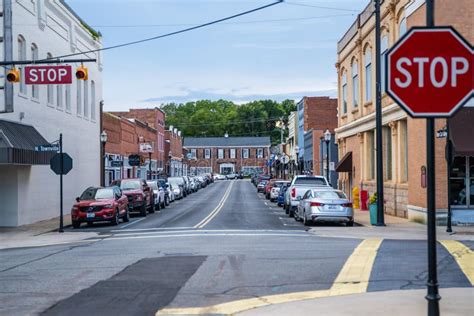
(327, 139)
(170, 156)
(297, 151)
(103, 140)
(149, 164)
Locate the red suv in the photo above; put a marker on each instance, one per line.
(98, 204)
(139, 194)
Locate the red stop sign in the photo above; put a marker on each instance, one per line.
(430, 72)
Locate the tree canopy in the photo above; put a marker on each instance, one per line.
(207, 118)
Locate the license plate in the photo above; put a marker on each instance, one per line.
(90, 215)
(332, 207)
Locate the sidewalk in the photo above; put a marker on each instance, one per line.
(455, 301)
(396, 228)
(43, 233)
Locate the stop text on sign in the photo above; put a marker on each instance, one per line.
(430, 72)
(48, 74)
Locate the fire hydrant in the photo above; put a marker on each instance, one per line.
(355, 198)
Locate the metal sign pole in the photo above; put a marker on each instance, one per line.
(61, 223)
(432, 284)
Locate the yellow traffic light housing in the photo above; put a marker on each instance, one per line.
(142, 161)
(13, 75)
(82, 73)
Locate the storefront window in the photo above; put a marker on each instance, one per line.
(459, 168)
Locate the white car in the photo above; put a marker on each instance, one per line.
(158, 193)
(218, 176)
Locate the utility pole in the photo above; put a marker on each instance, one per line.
(378, 119)
(61, 221)
(7, 53)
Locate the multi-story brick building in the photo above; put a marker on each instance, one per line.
(315, 115)
(174, 158)
(404, 142)
(227, 154)
(124, 137)
(155, 118)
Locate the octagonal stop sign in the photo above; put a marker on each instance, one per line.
(430, 72)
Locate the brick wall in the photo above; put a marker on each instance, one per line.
(320, 113)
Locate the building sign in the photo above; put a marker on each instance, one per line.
(146, 148)
(116, 163)
(48, 74)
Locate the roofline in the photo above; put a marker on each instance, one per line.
(63, 2)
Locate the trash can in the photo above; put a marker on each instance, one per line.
(373, 213)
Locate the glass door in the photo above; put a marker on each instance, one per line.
(458, 181)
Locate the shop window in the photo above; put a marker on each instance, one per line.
(368, 75)
(355, 84)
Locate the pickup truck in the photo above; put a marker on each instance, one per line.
(298, 187)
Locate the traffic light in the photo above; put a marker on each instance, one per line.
(142, 161)
(82, 73)
(13, 75)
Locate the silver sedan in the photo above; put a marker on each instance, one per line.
(324, 205)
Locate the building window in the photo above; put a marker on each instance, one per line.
(403, 151)
(193, 153)
(34, 56)
(344, 93)
(79, 97)
(207, 153)
(68, 98)
(92, 100)
(368, 75)
(86, 99)
(232, 153)
(245, 153)
(370, 155)
(50, 87)
(259, 152)
(22, 56)
(355, 84)
(383, 52)
(387, 153)
(59, 96)
(402, 26)
(220, 153)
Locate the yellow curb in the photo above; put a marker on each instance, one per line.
(463, 255)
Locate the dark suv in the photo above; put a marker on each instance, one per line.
(139, 194)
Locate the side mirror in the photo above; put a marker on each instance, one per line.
(78, 199)
(298, 198)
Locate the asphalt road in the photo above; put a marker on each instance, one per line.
(221, 244)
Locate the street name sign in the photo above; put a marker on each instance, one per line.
(55, 163)
(430, 72)
(48, 74)
(134, 160)
(47, 148)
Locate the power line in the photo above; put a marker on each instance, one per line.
(318, 6)
(175, 32)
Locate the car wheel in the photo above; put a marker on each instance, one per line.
(158, 206)
(115, 221)
(296, 216)
(151, 208)
(287, 210)
(306, 222)
(350, 223)
(76, 224)
(90, 224)
(126, 217)
(167, 201)
(163, 204)
(143, 210)
(291, 212)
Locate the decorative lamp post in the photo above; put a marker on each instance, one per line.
(297, 151)
(103, 140)
(327, 139)
(170, 156)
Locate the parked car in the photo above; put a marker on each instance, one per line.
(281, 194)
(232, 176)
(169, 196)
(159, 194)
(275, 190)
(299, 185)
(218, 176)
(261, 186)
(324, 205)
(178, 187)
(269, 186)
(98, 204)
(139, 194)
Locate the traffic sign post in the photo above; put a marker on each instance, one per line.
(430, 75)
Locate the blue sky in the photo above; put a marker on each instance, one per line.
(248, 58)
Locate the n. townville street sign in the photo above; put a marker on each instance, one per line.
(430, 72)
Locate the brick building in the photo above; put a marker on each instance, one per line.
(227, 154)
(315, 115)
(174, 158)
(404, 141)
(124, 137)
(155, 118)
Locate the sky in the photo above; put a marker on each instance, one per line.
(285, 51)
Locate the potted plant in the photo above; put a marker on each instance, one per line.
(373, 209)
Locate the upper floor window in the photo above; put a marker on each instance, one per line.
(220, 153)
(207, 153)
(34, 56)
(50, 87)
(232, 153)
(86, 99)
(68, 98)
(59, 96)
(92, 100)
(383, 52)
(355, 84)
(79, 97)
(22, 56)
(344, 93)
(193, 153)
(245, 153)
(259, 152)
(368, 74)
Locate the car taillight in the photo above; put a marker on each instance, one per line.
(293, 192)
(347, 205)
(316, 204)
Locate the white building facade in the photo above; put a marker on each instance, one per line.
(29, 191)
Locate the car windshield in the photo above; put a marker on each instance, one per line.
(310, 181)
(175, 180)
(329, 195)
(152, 184)
(97, 194)
(130, 185)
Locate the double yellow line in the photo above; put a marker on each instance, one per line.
(215, 211)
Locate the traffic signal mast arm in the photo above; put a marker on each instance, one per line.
(46, 61)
